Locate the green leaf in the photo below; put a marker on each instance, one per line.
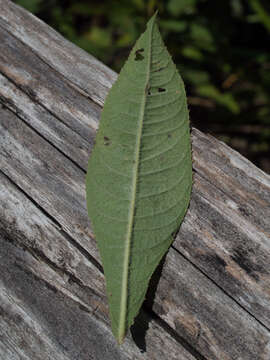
(173, 25)
(31, 5)
(192, 53)
(262, 13)
(177, 7)
(225, 99)
(139, 174)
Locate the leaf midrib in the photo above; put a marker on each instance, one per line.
(127, 251)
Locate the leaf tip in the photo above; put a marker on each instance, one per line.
(153, 18)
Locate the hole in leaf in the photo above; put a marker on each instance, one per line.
(138, 55)
(161, 90)
(106, 141)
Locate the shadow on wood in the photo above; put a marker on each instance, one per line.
(141, 324)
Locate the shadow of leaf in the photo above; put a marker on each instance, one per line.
(141, 324)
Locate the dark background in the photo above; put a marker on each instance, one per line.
(221, 48)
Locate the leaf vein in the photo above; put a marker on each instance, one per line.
(164, 104)
(167, 190)
(113, 170)
(164, 132)
(185, 193)
(153, 156)
(166, 168)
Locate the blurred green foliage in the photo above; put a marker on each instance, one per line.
(221, 48)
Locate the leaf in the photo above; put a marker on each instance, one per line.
(139, 174)
(176, 7)
(173, 25)
(31, 5)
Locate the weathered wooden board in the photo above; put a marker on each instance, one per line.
(52, 301)
(57, 133)
(59, 189)
(228, 232)
(214, 291)
(72, 62)
(46, 86)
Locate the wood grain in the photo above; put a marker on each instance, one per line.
(213, 297)
(52, 300)
(60, 54)
(54, 180)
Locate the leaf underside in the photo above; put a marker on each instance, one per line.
(139, 174)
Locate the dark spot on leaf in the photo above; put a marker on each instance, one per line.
(149, 92)
(159, 69)
(106, 141)
(161, 89)
(138, 54)
(169, 136)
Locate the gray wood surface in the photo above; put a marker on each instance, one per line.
(212, 299)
